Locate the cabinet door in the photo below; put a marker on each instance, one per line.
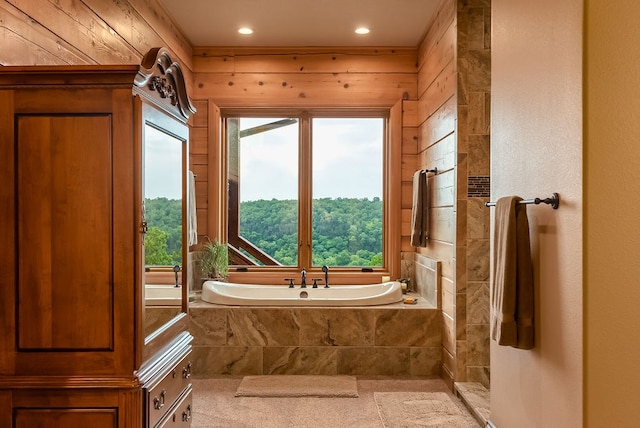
(64, 232)
(69, 185)
(72, 408)
(66, 418)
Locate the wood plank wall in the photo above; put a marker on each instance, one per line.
(305, 77)
(199, 164)
(68, 32)
(436, 120)
(289, 77)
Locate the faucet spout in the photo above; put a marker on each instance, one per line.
(303, 278)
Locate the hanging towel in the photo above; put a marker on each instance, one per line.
(420, 210)
(192, 216)
(512, 286)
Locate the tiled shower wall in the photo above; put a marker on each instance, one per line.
(424, 277)
(473, 182)
(454, 83)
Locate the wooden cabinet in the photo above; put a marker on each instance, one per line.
(167, 386)
(180, 414)
(73, 351)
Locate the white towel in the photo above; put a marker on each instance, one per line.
(192, 226)
(420, 210)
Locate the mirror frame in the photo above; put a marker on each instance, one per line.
(156, 119)
(160, 98)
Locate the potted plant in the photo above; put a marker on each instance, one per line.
(214, 260)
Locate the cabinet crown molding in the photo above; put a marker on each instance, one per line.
(160, 79)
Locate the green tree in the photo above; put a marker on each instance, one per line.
(163, 215)
(346, 231)
(155, 247)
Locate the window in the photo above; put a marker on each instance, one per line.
(263, 190)
(347, 191)
(306, 189)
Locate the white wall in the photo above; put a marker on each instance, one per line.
(536, 149)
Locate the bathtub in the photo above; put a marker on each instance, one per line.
(224, 293)
(162, 295)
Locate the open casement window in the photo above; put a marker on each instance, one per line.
(263, 190)
(306, 189)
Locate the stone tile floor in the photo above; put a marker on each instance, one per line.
(476, 398)
(215, 405)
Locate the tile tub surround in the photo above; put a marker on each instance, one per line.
(157, 316)
(397, 339)
(426, 278)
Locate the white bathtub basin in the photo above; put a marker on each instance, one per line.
(162, 295)
(224, 293)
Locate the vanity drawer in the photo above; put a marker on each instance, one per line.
(180, 414)
(162, 395)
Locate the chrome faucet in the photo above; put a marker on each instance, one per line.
(303, 280)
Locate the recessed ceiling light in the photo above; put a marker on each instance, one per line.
(362, 30)
(245, 30)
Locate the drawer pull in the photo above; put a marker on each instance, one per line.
(186, 415)
(186, 371)
(158, 402)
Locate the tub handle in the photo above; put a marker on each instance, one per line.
(315, 282)
(290, 282)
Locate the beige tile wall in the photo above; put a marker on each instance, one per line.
(472, 222)
(157, 316)
(397, 340)
(427, 279)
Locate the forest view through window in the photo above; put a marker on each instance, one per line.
(305, 190)
(162, 186)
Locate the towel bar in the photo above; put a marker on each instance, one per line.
(434, 170)
(554, 201)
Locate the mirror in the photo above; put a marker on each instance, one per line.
(162, 199)
(161, 111)
(164, 211)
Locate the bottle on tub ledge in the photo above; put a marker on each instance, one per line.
(405, 284)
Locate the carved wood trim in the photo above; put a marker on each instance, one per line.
(67, 382)
(161, 80)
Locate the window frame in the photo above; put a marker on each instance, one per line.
(338, 274)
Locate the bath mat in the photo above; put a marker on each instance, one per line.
(421, 409)
(297, 386)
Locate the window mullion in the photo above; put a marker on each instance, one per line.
(304, 200)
